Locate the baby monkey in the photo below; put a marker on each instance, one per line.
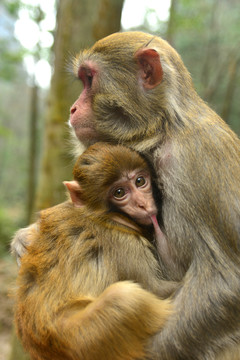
(115, 179)
(110, 178)
(90, 281)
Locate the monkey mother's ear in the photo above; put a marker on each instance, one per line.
(151, 72)
(75, 192)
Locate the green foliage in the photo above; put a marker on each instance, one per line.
(4, 131)
(7, 229)
(15, 116)
(12, 6)
(10, 49)
(9, 60)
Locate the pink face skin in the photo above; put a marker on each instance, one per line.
(81, 114)
(133, 195)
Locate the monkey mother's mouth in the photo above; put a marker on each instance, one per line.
(85, 134)
(75, 126)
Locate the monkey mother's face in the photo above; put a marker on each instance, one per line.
(114, 105)
(81, 114)
(97, 114)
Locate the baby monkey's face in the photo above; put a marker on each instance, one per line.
(132, 194)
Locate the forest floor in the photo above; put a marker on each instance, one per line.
(8, 272)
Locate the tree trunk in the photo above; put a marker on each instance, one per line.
(211, 46)
(171, 23)
(80, 24)
(232, 82)
(32, 149)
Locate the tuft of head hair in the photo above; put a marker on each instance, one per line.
(100, 166)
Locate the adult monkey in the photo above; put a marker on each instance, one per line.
(138, 92)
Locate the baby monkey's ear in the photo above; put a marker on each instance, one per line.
(74, 190)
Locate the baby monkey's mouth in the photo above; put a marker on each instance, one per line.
(157, 229)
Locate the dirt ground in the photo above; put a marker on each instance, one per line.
(8, 272)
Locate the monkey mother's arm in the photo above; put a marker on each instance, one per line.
(206, 311)
(201, 222)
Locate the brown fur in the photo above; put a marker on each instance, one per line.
(62, 310)
(66, 306)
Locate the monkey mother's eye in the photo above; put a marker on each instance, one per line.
(119, 193)
(89, 80)
(86, 76)
(140, 181)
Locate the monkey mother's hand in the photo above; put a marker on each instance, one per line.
(21, 241)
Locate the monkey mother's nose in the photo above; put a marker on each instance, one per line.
(73, 109)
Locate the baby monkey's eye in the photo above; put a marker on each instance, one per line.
(119, 193)
(140, 181)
